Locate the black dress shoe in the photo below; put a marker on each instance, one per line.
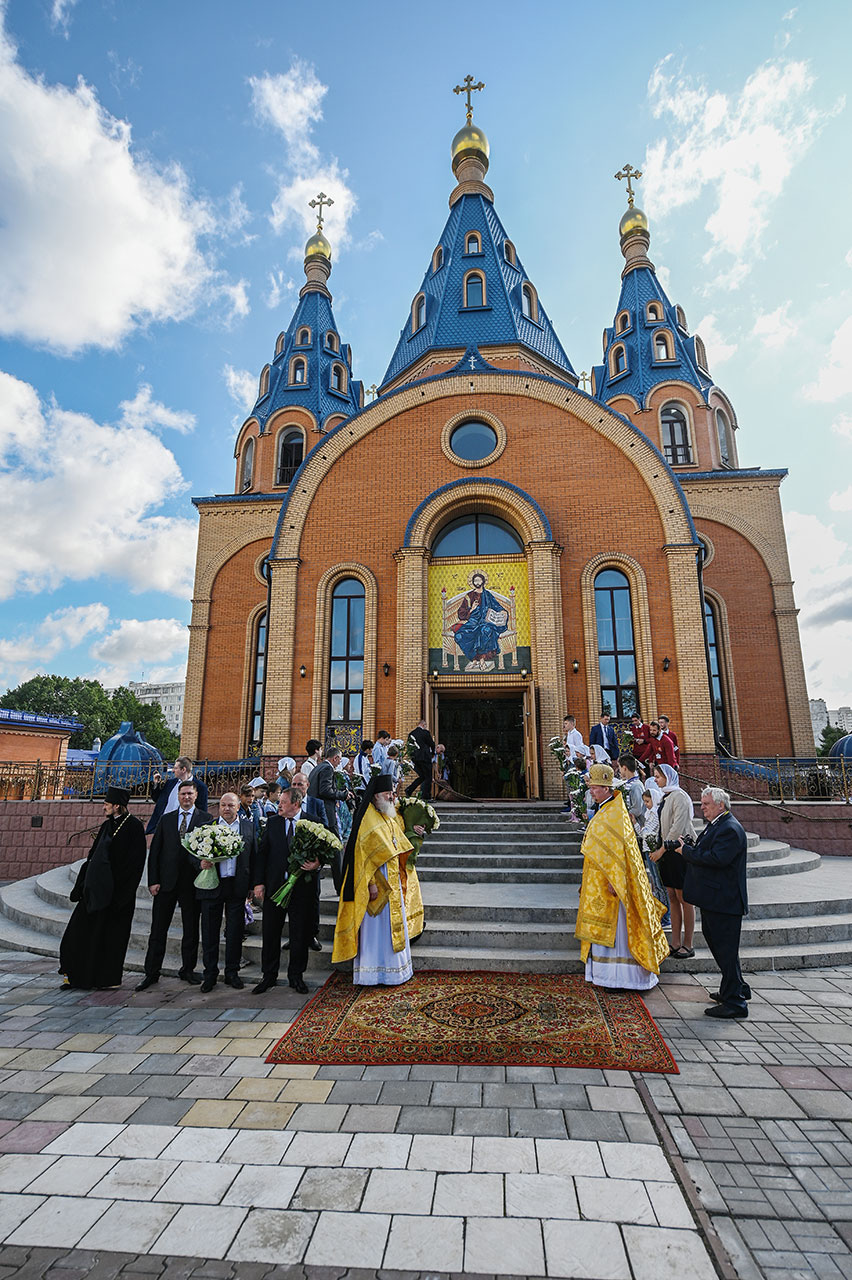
(146, 983)
(298, 985)
(724, 1011)
(263, 986)
(235, 981)
(207, 985)
(717, 995)
(315, 944)
(192, 978)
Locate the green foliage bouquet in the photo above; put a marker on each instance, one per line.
(417, 813)
(311, 842)
(213, 843)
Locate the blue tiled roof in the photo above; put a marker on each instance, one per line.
(639, 287)
(448, 324)
(314, 312)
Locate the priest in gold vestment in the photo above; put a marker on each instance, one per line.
(380, 904)
(619, 919)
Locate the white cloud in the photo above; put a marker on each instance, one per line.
(280, 284)
(841, 501)
(842, 426)
(292, 103)
(238, 301)
(776, 328)
(26, 653)
(88, 503)
(834, 379)
(151, 646)
(60, 15)
(144, 411)
(94, 240)
(719, 349)
(744, 146)
(821, 562)
(242, 386)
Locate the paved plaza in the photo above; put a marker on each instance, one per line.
(145, 1134)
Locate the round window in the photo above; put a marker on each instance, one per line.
(473, 441)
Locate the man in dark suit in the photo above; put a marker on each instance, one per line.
(171, 872)
(228, 900)
(165, 795)
(269, 873)
(716, 882)
(603, 735)
(321, 787)
(422, 753)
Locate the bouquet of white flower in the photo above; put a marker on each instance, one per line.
(417, 813)
(311, 842)
(211, 843)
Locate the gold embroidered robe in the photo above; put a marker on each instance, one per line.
(377, 860)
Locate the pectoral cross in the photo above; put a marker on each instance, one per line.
(584, 378)
(373, 391)
(323, 199)
(631, 175)
(467, 88)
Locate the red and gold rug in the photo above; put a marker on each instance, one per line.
(487, 1019)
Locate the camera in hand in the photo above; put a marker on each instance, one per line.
(671, 846)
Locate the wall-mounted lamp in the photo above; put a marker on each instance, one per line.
(524, 673)
(666, 663)
(575, 666)
(386, 668)
(303, 670)
(434, 673)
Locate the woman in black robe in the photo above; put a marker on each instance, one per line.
(94, 944)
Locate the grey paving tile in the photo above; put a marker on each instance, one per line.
(338, 1189)
(455, 1094)
(566, 1096)
(434, 1073)
(370, 1119)
(425, 1120)
(483, 1075)
(526, 1122)
(355, 1091)
(162, 1110)
(406, 1092)
(596, 1125)
(492, 1121)
(508, 1095)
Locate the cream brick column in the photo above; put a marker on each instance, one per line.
(412, 639)
(786, 617)
(548, 654)
(690, 654)
(280, 638)
(198, 628)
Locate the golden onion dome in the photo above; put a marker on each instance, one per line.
(632, 219)
(470, 141)
(318, 247)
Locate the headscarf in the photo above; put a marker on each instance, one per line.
(377, 783)
(671, 777)
(601, 754)
(288, 763)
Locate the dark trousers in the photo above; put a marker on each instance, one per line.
(233, 907)
(423, 780)
(722, 934)
(162, 909)
(302, 911)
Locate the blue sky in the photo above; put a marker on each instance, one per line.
(155, 162)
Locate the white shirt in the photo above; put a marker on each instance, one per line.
(308, 767)
(574, 741)
(361, 766)
(172, 797)
(228, 866)
(380, 757)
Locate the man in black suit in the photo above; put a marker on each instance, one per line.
(229, 899)
(165, 795)
(269, 873)
(321, 786)
(603, 735)
(171, 872)
(716, 882)
(422, 754)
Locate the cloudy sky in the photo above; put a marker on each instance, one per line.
(155, 164)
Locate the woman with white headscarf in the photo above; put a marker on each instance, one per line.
(675, 813)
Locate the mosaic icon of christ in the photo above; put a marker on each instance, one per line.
(482, 621)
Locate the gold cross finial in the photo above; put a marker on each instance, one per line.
(467, 88)
(631, 175)
(322, 199)
(584, 378)
(373, 391)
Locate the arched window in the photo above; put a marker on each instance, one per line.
(674, 429)
(255, 725)
(617, 361)
(663, 346)
(263, 387)
(529, 302)
(719, 710)
(291, 450)
(279, 344)
(654, 311)
(474, 290)
(723, 433)
(700, 353)
(346, 659)
(418, 313)
(509, 252)
(680, 315)
(477, 536)
(248, 465)
(622, 322)
(472, 243)
(298, 370)
(338, 378)
(331, 341)
(304, 338)
(438, 258)
(616, 648)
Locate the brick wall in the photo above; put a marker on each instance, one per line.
(824, 828)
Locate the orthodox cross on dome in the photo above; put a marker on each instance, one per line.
(467, 88)
(584, 378)
(631, 175)
(472, 361)
(323, 199)
(373, 391)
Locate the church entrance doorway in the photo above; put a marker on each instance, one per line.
(486, 744)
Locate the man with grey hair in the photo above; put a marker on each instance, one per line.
(716, 882)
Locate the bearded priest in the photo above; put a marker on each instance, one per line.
(380, 903)
(618, 922)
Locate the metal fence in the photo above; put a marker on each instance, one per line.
(40, 780)
(787, 778)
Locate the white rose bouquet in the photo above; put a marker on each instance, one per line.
(311, 842)
(211, 843)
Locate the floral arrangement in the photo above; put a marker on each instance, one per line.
(576, 795)
(311, 842)
(213, 843)
(417, 813)
(405, 759)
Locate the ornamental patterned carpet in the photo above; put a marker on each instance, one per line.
(486, 1019)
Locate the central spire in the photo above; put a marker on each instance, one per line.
(470, 150)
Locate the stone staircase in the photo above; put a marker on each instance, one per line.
(500, 884)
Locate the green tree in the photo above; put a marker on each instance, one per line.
(101, 714)
(830, 735)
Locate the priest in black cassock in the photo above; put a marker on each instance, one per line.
(95, 941)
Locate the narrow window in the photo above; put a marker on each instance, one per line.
(616, 647)
(528, 302)
(654, 311)
(472, 243)
(474, 290)
(661, 347)
(509, 252)
(248, 465)
(290, 453)
(418, 316)
(338, 378)
(438, 258)
(331, 341)
(700, 352)
(256, 706)
(618, 361)
(723, 433)
(346, 656)
(299, 371)
(681, 317)
(719, 710)
(279, 344)
(263, 388)
(304, 339)
(623, 322)
(675, 434)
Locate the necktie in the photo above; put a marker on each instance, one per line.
(183, 822)
(289, 830)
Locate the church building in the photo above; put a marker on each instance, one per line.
(542, 547)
